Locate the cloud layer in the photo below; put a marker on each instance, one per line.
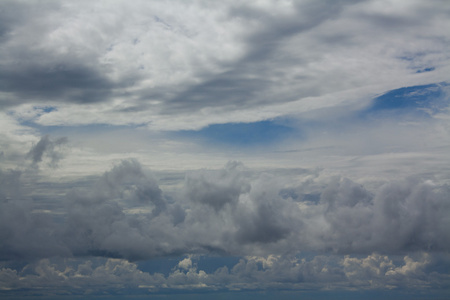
(203, 64)
(233, 211)
(117, 276)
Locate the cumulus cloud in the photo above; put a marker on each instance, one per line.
(93, 235)
(235, 211)
(122, 214)
(96, 276)
(217, 189)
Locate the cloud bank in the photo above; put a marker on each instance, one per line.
(95, 276)
(232, 211)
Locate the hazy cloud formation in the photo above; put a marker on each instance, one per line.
(170, 147)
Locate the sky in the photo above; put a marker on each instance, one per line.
(245, 149)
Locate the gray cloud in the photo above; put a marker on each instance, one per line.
(217, 189)
(389, 236)
(54, 82)
(40, 65)
(267, 218)
(97, 222)
(249, 81)
(124, 213)
(22, 232)
(49, 149)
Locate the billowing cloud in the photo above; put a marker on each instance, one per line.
(124, 213)
(370, 272)
(217, 189)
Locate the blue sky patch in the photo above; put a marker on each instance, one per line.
(417, 100)
(241, 134)
(46, 109)
(425, 70)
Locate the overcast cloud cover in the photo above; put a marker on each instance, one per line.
(269, 149)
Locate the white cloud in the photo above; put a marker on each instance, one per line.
(410, 266)
(149, 62)
(113, 275)
(185, 264)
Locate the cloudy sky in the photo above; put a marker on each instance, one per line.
(245, 149)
